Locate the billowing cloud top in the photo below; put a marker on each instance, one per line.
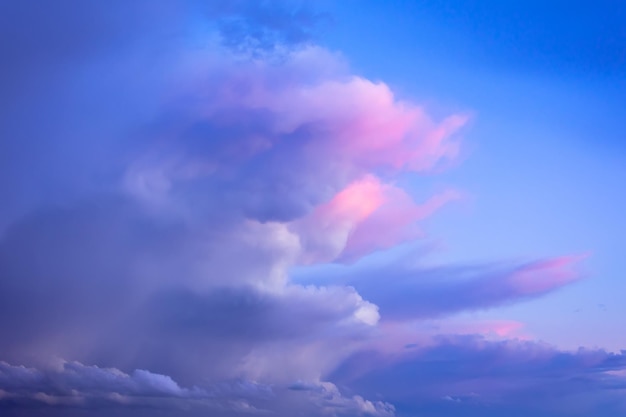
(166, 166)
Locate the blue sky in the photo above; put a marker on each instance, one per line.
(333, 208)
(545, 83)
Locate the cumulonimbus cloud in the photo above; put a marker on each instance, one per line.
(184, 180)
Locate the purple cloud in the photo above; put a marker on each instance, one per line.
(484, 377)
(67, 386)
(413, 292)
(74, 384)
(172, 290)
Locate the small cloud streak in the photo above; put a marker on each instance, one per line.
(417, 293)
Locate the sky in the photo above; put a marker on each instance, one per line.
(324, 208)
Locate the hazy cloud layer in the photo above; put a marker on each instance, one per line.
(473, 375)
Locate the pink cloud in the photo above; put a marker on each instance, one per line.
(366, 216)
(395, 337)
(394, 222)
(280, 142)
(362, 123)
(404, 291)
(545, 275)
(502, 372)
(487, 328)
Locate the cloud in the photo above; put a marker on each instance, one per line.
(364, 217)
(267, 137)
(329, 399)
(490, 377)
(168, 166)
(176, 194)
(72, 383)
(414, 292)
(68, 66)
(264, 26)
(178, 295)
(68, 385)
(272, 141)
